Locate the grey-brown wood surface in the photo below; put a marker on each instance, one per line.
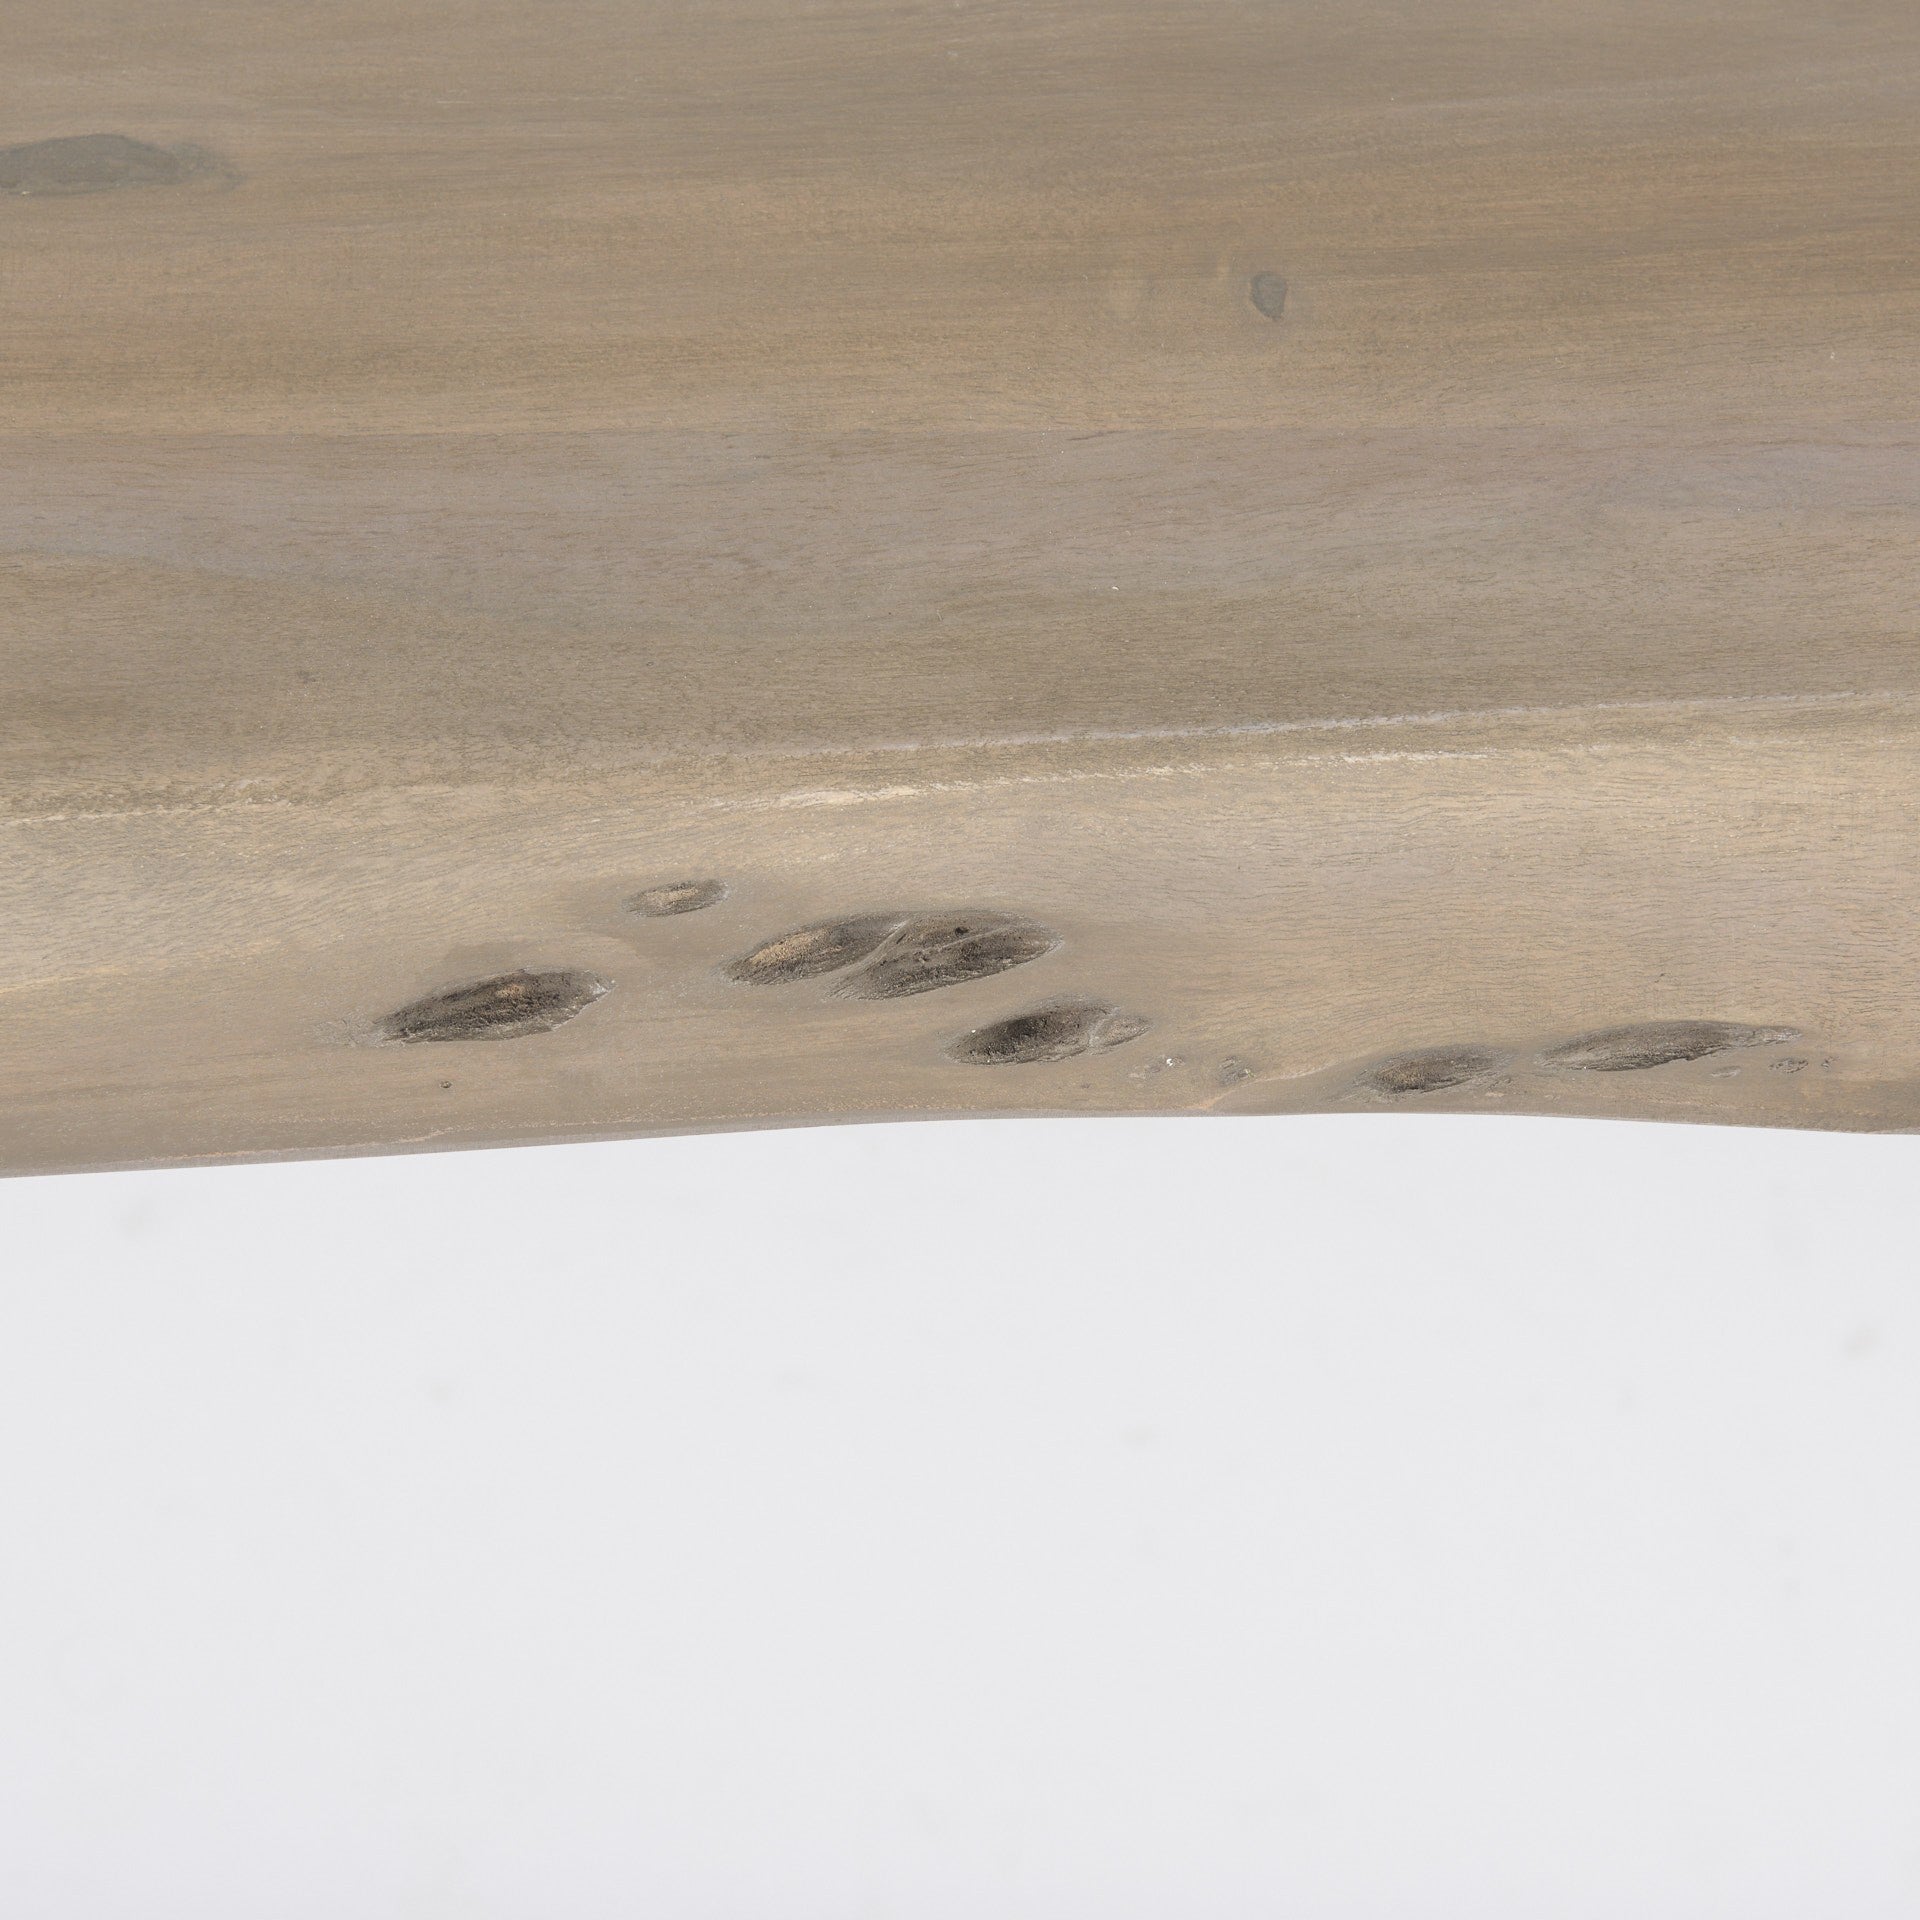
(605, 566)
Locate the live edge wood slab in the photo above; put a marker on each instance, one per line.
(610, 566)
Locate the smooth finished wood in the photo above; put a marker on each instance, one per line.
(1354, 547)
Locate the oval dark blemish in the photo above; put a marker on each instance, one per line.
(1659, 1043)
(1430, 1070)
(1059, 1031)
(808, 952)
(502, 1008)
(677, 896)
(100, 163)
(1268, 292)
(947, 950)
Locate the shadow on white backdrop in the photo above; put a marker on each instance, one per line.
(1119, 1520)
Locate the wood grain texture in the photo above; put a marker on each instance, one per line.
(1353, 548)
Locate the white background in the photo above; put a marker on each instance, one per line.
(1372, 1516)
